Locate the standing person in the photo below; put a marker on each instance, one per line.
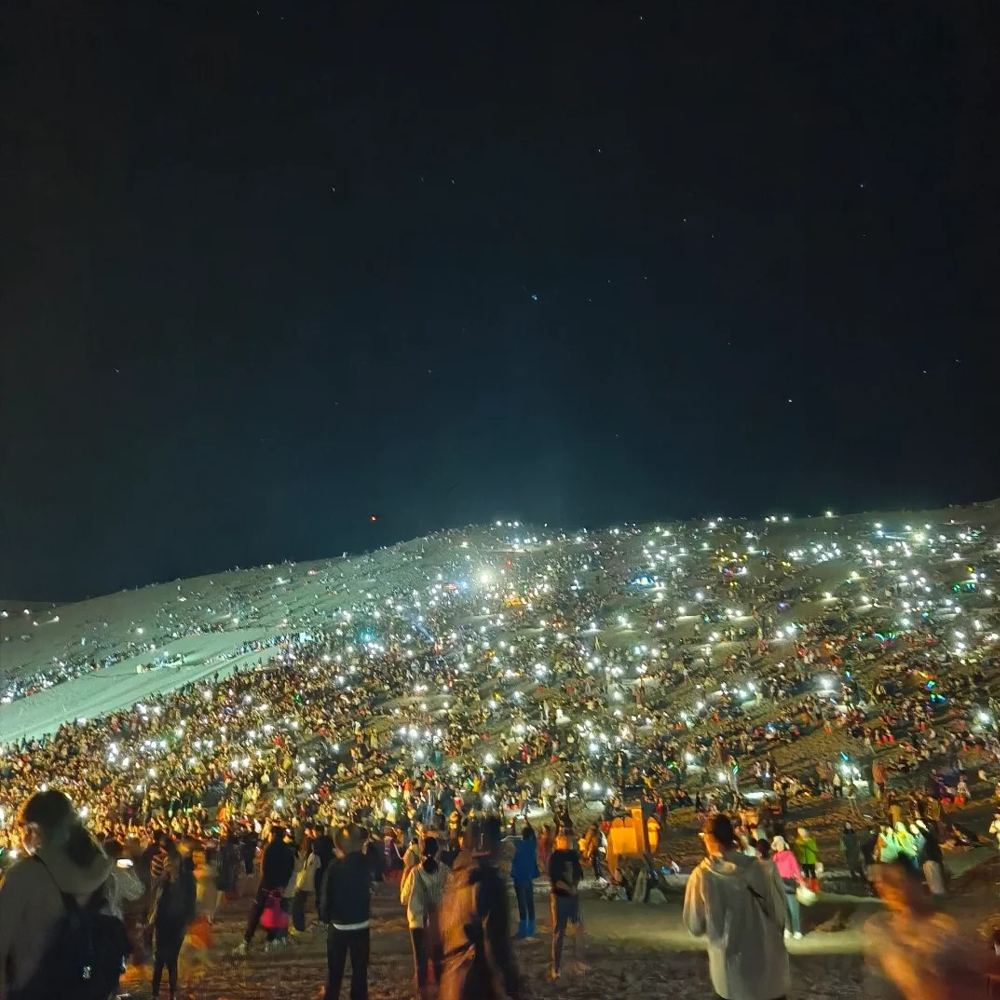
(544, 845)
(248, 849)
(879, 779)
(807, 854)
(422, 890)
(592, 847)
(791, 878)
(205, 865)
(276, 869)
(738, 905)
(174, 896)
(565, 875)
(869, 854)
(229, 865)
(323, 848)
(851, 794)
(412, 854)
(65, 871)
(392, 859)
(523, 872)
(933, 866)
(305, 884)
(851, 847)
(995, 825)
(345, 906)
(475, 928)
(371, 848)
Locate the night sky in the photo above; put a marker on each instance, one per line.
(270, 268)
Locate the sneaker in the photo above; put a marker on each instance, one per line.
(553, 976)
(797, 935)
(241, 948)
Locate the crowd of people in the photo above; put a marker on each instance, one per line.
(708, 667)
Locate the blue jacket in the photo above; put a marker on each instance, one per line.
(524, 867)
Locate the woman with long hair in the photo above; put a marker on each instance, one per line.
(791, 878)
(304, 884)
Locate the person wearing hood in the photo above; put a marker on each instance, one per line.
(421, 892)
(738, 904)
(475, 928)
(63, 860)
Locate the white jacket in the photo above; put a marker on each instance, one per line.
(738, 904)
(421, 892)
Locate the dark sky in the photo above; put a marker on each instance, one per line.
(268, 268)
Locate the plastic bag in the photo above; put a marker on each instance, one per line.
(805, 895)
(274, 917)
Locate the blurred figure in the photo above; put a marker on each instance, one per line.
(913, 950)
(228, 866)
(565, 875)
(174, 894)
(478, 960)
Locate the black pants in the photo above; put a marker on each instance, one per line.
(338, 945)
(424, 941)
(299, 902)
(525, 899)
(165, 955)
(255, 911)
(808, 871)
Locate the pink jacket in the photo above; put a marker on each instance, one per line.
(787, 865)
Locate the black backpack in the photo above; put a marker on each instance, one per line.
(86, 956)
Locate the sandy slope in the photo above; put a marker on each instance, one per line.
(286, 598)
